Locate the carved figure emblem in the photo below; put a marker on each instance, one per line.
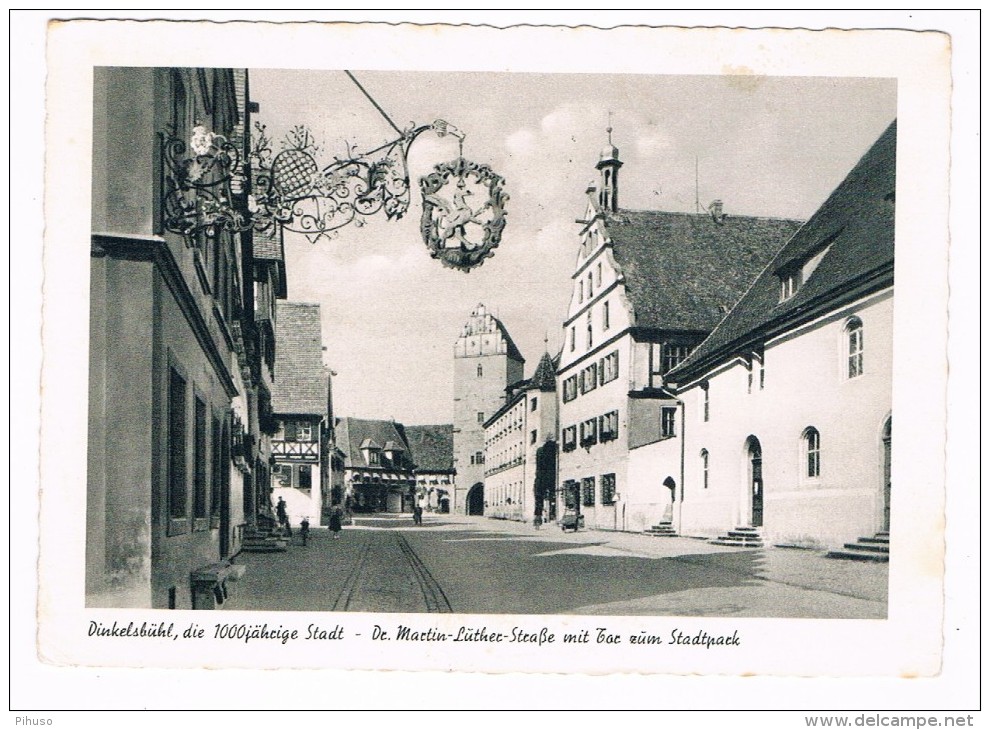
(463, 213)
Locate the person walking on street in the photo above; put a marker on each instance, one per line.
(335, 521)
(283, 517)
(304, 529)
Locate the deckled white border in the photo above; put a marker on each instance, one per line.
(909, 629)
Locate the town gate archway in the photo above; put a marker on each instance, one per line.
(476, 500)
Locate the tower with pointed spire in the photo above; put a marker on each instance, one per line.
(486, 362)
(608, 189)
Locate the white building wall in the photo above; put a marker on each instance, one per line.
(805, 386)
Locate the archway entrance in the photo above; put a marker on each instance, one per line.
(476, 500)
(755, 469)
(668, 510)
(885, 527)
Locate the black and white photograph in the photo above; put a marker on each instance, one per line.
(318, 381)
(579, 356)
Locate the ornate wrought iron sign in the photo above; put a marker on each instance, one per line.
(292, 191)
(460, 232)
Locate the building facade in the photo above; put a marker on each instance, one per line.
(300, 446)
(788, 402)
(486, 361)
(379, 473)
(648, 287)
(432, 449)
(520, 449)
(172, 436)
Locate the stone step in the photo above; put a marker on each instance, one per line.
(737, 542)
(742, 536)
(875, 540)
(854, 554)
(861, 544)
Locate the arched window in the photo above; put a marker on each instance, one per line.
(854, 347)
(812, 443)
(704, 468)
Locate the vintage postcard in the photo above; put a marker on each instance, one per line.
(494, 350)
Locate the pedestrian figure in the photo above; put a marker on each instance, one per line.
(283, 517)
(335, 521)
(417, 515)
(537, 521)
(304, 529)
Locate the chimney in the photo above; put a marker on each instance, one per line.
(715, 209)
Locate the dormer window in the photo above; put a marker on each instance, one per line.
(374, 457)
(789, 284)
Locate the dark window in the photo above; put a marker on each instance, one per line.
(704, 468)
(569, 438)
(481, 371)
(609, 428)
(290, 430)
(305, 476)
(589, 378)
(668, 418)
(176, 445)
(605, 319)
(589, 432)
(854, 339)
(532, 437)
(532, 404)
(481, 417)
(588, 491)
(218, 466)
(199, 460)
(812, 453)
(673, 355)
(608, 488)
(573, 339)
(706, 402)
(570, 388)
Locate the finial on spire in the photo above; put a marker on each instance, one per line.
(609, 129)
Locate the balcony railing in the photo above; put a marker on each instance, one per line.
(296, 450)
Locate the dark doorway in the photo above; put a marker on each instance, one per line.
(755, 455)
(476, 500)
(668, 510)
(886, 476)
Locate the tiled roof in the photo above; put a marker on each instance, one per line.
(353, 433)
(545, 376)
(268, 246)
(857, 223)
(301, 382)
(432, 447)
(684, 271)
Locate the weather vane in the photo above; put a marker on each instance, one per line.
(463, 201)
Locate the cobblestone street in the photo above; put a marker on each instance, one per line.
(476, 565)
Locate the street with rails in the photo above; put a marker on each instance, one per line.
(476, 565)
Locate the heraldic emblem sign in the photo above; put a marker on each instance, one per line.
(463, 213)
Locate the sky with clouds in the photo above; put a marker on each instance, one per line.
(764, 146)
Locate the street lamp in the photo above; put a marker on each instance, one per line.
(463, 202)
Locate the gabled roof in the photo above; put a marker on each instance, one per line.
(432, 447)
(856, 223)
(684, 271)
(301, 383)
(354, 434)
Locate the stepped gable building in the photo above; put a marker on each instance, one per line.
(379, 471)
(649, 286)
(432, 449)
(300, 403)
(521, 449)
(788, 400)
(174, 369)
(486, 361)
